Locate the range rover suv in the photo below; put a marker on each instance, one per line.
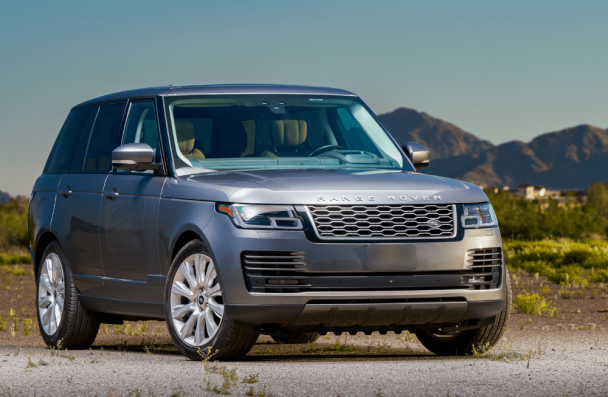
(232, 211)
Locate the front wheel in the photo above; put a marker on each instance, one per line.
(194, 309)
(465, 342)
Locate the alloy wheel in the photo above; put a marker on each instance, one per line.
(51, 294)
(197, 306)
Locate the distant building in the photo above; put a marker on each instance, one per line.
(542, 194)
(526, 191)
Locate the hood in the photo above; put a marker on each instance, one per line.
(314, 186)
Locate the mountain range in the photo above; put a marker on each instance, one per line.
(571, 158)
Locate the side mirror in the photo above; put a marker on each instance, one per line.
(418, 154)
(134, 157)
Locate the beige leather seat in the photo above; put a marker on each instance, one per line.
(184, 131)
(286, 134)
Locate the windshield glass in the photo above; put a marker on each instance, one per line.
(277, 132)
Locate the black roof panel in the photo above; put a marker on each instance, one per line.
(219, 89)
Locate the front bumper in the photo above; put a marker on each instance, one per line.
(339, 309)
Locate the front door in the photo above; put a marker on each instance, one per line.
(128, 218)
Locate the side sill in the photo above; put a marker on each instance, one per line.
(132, 309)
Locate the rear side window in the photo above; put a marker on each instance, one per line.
(63, 151)
(104, 139)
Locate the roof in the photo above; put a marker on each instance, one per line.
(220, 89)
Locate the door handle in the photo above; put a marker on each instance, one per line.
(66, 192)
(111, 194)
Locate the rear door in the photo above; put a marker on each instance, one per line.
(76, 218)
(128, 217)
(76, 128)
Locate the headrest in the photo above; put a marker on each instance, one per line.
(288, 132)
(184, 130)
(229, 139)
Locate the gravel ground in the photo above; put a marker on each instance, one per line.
(530, 362)
(566, 355)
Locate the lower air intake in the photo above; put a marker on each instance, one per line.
(485, 265)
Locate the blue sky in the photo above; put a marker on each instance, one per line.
(500, 70)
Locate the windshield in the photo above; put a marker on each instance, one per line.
(277, 132)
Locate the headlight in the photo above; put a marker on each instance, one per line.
(478, 215)
(249, 216)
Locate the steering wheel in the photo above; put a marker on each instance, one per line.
(325, 148)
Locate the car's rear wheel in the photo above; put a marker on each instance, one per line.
(194, 308)
(62, 321)
(297, 338)
(466, 342)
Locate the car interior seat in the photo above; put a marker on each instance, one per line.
(184, 130)
(287, 136)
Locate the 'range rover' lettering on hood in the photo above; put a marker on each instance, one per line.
(373, 198)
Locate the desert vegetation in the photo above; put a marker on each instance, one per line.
(534, 220)
(14, 244)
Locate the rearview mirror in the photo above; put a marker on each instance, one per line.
(134, 157)
(418, 155)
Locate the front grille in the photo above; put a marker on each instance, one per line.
(384, 221)
(485, 265)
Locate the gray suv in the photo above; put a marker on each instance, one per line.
(237, 210)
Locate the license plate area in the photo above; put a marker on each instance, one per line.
(391, 257)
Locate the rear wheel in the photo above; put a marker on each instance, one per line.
(297, 338)
(63, 322)
(194, 308)
(464, 342)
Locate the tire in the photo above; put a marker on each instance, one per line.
(465, 342)
(297, 338)
(195, 312)
(62, 320)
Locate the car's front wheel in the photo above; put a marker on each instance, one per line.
(466, 342)
(194, 309)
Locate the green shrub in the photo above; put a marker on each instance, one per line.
(577, 256)
(561, 261)
(534, 304)
(568, 275)
(15, 259)
(599, 276)
(13, 223)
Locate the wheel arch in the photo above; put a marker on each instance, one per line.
(43, 240)
(186, 234)
(184, 238)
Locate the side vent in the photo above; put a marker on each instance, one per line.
(275, 271)
(485, 265)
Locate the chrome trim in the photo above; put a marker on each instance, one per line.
(379, 294)
(454, 221)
